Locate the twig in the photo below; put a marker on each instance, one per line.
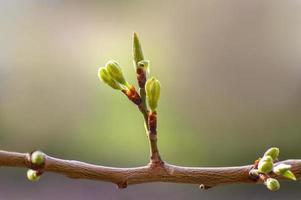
(150, 118)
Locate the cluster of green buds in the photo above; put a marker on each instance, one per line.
(37, 159)
(266, 166)
(112, 75)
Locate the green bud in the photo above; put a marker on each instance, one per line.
(32, 175)
(152, 88)
(289, 175)
(273, 152)
(106, 78)
(265, 165)
(37, 158)
(272, 184)
(137, 50)
(285, 171)
(281, 168)
(115, 72)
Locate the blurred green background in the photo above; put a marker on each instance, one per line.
(231, 77)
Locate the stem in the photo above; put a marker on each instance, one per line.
(141, 77)
(152, 134)
(149, 118)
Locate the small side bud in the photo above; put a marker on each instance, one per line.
(273, 152)
(285, 171)
(32, 175)
(38, 158)
(272, 184)
(265, 165)
(104, 76)
(152, 88)
(137, 50)
(115, 72)
(289, 175)
(144, 64)
(281, 168)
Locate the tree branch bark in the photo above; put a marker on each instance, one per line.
(208, 177)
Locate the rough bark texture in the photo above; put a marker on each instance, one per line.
(208, 177)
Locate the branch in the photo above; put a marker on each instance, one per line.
(208, 177)
(264, 170)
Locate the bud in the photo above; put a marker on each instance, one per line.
(289, 175)
(284, 170)
(152, 88)
(265, 165)
(106, 78)
(272, 184)
(144, 64)
(281, 168)
(32, 175)
(137, 50)
(37, 158)
(115, 72)
(273, 152)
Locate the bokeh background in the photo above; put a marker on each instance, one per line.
(231, 77)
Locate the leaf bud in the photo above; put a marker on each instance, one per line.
(106, 78)
(285, 171)
(272, 184)
(115, 72)
(265, 165)
(137, 50)
(38, 158)
(144, 64)
(32, 175)
(152, 88)
(273, 152)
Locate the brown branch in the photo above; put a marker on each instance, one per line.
(207, 177)
(141, 78)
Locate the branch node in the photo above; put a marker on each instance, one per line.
(254, 175)
(39, 168)
(204, 187)
(122, 185)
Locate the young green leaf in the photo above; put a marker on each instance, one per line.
(137, 50)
